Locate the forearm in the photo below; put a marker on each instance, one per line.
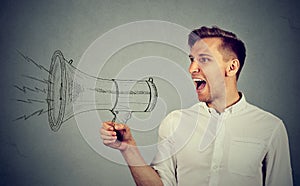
(142, 173)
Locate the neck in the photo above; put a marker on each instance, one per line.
(233, 99)
(221, 103)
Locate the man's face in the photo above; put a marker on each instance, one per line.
(207, 69)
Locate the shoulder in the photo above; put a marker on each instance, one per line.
(258, 113)
(254, 113)
(178, 118)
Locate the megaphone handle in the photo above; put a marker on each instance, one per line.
(119, 135)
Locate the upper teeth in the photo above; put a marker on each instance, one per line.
(198, 79)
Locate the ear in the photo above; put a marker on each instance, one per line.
(232, 67)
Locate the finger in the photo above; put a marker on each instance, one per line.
(105, 137)
(108, 125)
(107, 132)
(108, 142)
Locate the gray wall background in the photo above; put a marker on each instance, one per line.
(33, 155)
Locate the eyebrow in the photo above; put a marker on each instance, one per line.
(200, 55)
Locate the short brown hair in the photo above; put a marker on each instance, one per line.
(229, 42)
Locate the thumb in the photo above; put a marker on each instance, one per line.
(119, 126)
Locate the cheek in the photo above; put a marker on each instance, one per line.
(214, 71)
(215, 78)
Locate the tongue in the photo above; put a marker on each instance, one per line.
(200, 85)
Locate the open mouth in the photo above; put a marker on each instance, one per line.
(200, 83)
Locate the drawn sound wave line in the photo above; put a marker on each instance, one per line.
(31, 101)
(37, 79)
(24, 89)
(28, 59)
(36, 113)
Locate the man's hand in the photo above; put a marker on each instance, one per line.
(109, 135)
(142, 173)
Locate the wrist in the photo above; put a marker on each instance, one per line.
(132, 156)
(130, 145)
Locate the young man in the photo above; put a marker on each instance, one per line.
(222, 140)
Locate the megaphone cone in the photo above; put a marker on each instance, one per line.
(71, 92)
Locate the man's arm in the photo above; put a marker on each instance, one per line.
(278, 166)
(142, 173)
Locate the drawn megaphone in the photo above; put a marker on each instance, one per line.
(71, 92)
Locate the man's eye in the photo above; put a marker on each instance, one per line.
(204, 60)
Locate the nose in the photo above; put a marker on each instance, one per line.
(194, 68)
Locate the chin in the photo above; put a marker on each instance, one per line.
(203, 99)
